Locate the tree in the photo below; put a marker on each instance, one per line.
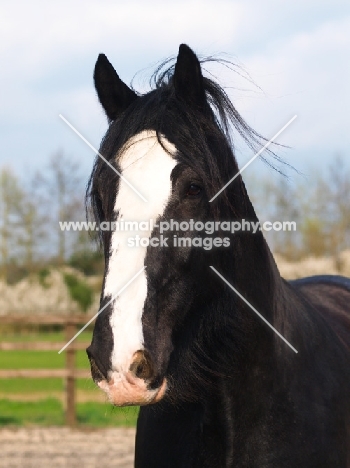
(34, 228)
(11, 198)
(64, 195)
(339, 205)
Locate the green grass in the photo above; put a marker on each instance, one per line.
(39, 360)
(50, 412)
(29, 386)
(52, 336)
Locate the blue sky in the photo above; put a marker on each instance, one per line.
(296, 52)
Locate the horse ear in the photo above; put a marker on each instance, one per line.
(188, 78)
(114, 95)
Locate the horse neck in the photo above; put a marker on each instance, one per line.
(250, 264)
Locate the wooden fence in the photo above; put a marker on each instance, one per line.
(70, 373)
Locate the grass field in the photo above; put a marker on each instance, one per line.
(41, 401)
(50, 412)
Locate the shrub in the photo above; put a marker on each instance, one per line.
(89, 262)
(43, 274)
(79, 291)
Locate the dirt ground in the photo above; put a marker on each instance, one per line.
(63, 447)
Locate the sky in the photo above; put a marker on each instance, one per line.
(294, 56)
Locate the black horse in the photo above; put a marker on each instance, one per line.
(217, 386)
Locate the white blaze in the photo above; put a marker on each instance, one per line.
(147, 166)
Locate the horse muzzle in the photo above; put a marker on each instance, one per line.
(137, 386)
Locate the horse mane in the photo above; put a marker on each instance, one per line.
(228, 118)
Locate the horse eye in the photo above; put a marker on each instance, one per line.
(193, 190)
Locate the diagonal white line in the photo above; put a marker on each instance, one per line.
(253, 158)
(102, 157)
(101, 310)
(253, 309)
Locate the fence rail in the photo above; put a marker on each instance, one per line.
(39, 346)
(70, 373)
(43, 373)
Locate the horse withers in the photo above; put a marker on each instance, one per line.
(217, 386)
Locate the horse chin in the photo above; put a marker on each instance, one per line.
(127, 390)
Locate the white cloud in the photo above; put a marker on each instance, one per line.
(40, 39)
(38, 35)
(308, 75)
(297, 53)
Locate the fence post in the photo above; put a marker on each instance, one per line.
(70, 380)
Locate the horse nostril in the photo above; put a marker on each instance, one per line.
(96, 373)
(141, 365)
